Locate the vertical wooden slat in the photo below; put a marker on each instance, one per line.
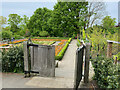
(32, 56)
(109, 49)
(26, 55)
(86, 65)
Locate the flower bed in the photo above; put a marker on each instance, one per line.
(60, 52)
(59, 47)
(14, 42)
(18, 41)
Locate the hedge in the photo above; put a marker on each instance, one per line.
(52, 43)
(62, 52)
(107, 74)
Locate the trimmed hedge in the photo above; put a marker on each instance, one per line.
(52, 43)
(107, 74)
(62, 52)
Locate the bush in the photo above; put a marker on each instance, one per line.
(12, 60)
(18, 36)
(43, 33)
(6, 35)
(117, 55)
(78, 42)
(106, 72)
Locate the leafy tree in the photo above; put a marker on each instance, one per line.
(23, 25)
(68, 17)
(6, 34)
(3, 20)
(39, 21)
(14, 20)
(108, 24)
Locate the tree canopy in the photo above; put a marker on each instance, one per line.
(68, 18)
(14, 20)
(39, 21)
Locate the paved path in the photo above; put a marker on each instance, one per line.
(64, 74)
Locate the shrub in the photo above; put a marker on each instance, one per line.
(117, 55)
(69, 40)
(43, 33)
(106, 72)
(12, 60)
(78, 42)
(6, 35)
(16, 36)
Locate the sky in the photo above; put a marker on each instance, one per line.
(27, 8)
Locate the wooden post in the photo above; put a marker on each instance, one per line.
(115, 61)
(86, 65)
(109, 49)
(26, 55)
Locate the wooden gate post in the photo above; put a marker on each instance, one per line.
(26, 56)
(86, 65)
(109, 49)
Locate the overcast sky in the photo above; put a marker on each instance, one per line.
(28, 8)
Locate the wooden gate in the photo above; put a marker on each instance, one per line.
(39, 59)
(82, 55)
(78, 66)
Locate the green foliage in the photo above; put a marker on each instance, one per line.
(68, 18)
(44, 42)
(23, 26)
(108, 24)
(6, 34)
(78, 42)
(84, 36)
(39, 21)
(43, 33)
(69, 40)
(117, 55)
(16, 36)
(12, 60)
(98, 40)
(106, 72)
(52, 43)
(3, 20)
(13, 21)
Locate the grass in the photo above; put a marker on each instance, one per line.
(43, 42)
(50, 37)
